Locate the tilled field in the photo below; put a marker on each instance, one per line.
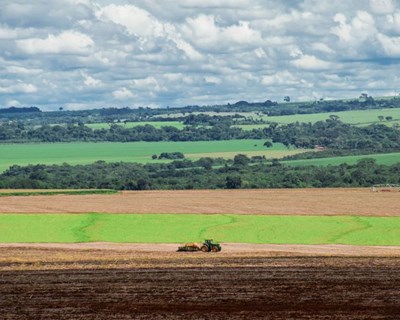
(196, 286)
(270, 201)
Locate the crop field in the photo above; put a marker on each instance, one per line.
(356, 117)
(155, 124)
(310, 254)
(383, 158)
(141, 152)
(170, 228)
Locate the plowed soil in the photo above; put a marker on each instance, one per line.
(75, 284)
(284, 201)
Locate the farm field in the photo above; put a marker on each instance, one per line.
(156, 124)
(356, 117)
(97, 280)
(94, 285)
(177, 228)
(141, 152)
(381, 158)
(333, 202)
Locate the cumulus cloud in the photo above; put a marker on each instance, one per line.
(123, 94)
(205, 34)
(67, 42)
(391, 45)
(382, 6)
(90, 81)
(95, 53)
(19, 88)
(309, 62)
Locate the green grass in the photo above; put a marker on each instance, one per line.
(12, 193)
(179, 228)
(141, 152)
(155, 124)
(356, 117)
(383, 158)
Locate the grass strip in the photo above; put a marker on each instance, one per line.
(179, 228)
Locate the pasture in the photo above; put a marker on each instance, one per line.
(356, 117)
(177, 228)
(382, 158)
(140, 152)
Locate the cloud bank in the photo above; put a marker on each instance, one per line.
(87, 53)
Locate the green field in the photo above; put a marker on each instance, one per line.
(155, 124)
(179, 228)
(357, 117)
(383, 158)
(141, 152)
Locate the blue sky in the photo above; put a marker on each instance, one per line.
(84, 54)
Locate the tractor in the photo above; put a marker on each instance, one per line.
(206, 246)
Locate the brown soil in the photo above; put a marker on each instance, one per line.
(229, 249)
(93, 284)
(283, 201)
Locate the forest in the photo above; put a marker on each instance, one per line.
(327, 138)
(186, 174)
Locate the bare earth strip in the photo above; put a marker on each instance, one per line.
(268, 201)
(229, 249)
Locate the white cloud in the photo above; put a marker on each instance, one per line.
(149, 83)
(390, 45)
(361, 27)
(67, 42)
(322, 47)
(13, 103)
(87, 53)
(23, 71)
(382, 6)
(122, 94)
(309, 62)
(205, 34)
(90, 81)
(18, 88)
(135, 20)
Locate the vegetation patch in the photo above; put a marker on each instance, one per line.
(385, 159)
(178, 228)
(140, 152)
(155, 124)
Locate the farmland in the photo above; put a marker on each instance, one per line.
(141, 152)
(385, 158)
(304, 261)
(356, 117)
(96, 285)
(170, 228)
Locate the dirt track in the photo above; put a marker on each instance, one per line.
(284, 201)
(119, 285)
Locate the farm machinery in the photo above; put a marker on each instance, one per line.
(207, 246)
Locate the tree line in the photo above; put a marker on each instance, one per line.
(331, 134)
(186, 174)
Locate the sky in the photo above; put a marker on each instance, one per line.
(81, 54)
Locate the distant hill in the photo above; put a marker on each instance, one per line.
(20, 110)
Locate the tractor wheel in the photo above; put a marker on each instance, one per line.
(214, 249)
(204, 249)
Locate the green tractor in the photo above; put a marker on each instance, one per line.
(206, 246)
